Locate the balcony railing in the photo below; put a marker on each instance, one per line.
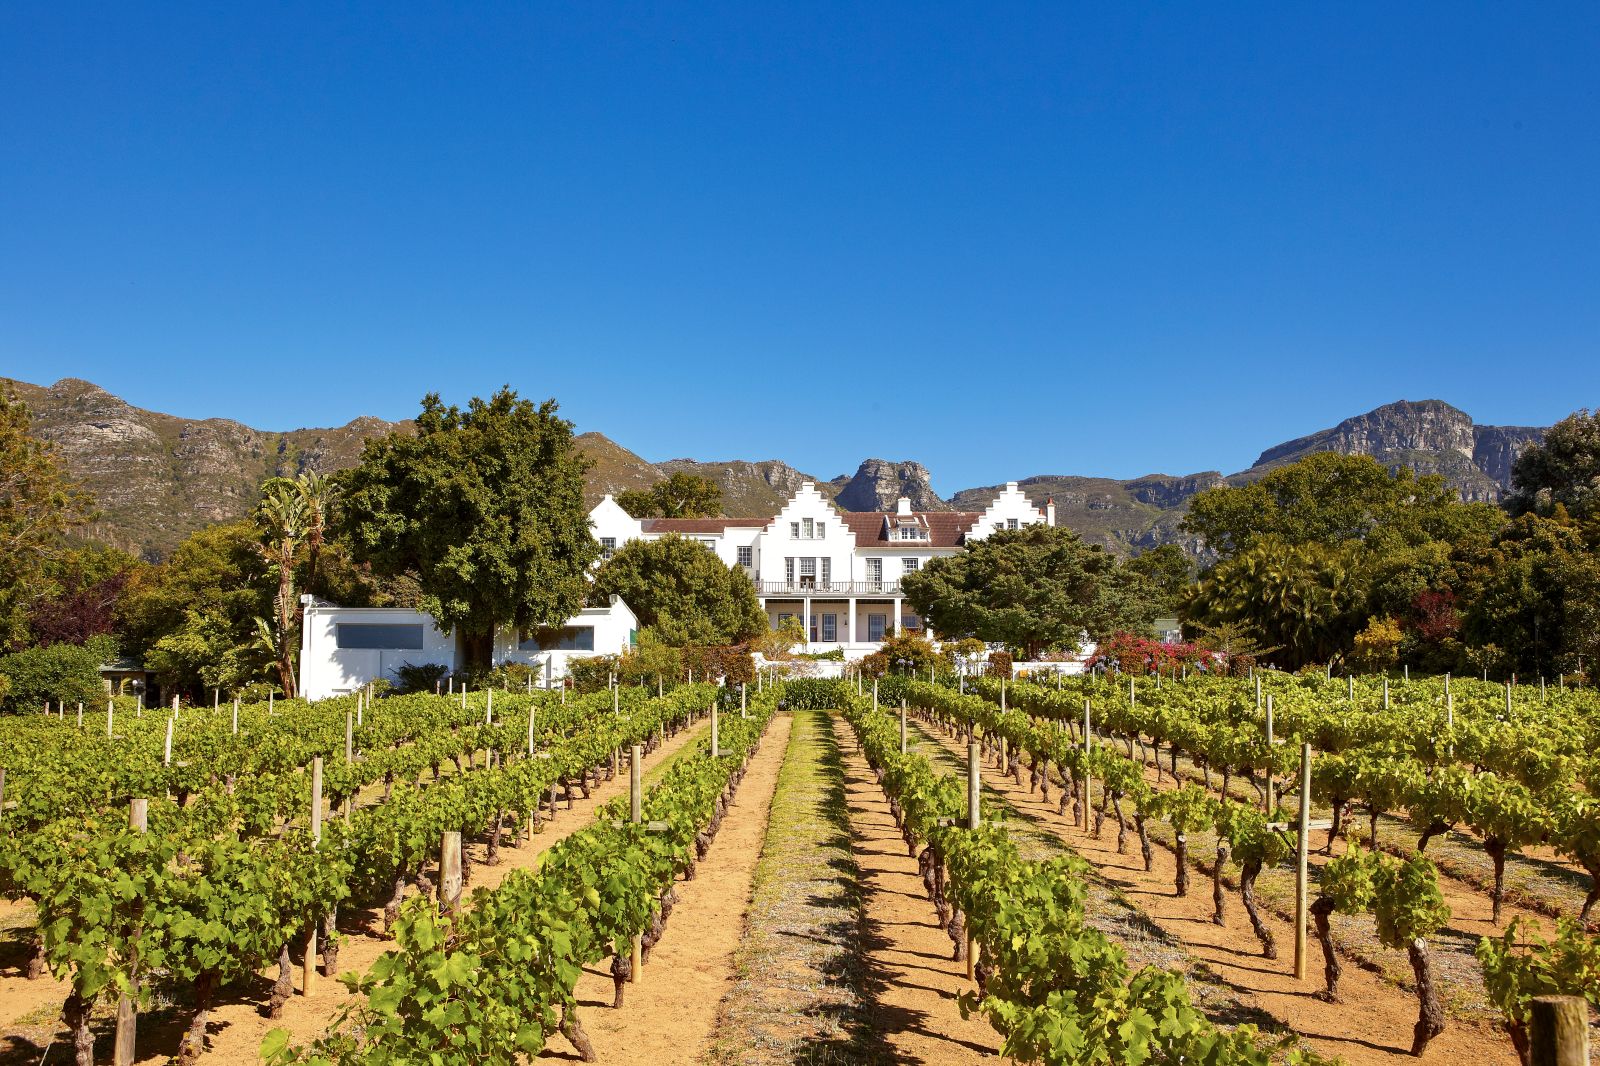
(809, 588)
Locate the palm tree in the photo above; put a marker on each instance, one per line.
(321, 494)
(282, 516)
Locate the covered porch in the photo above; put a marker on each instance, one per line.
(856, 624)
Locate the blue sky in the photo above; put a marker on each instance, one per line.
(1000, 239)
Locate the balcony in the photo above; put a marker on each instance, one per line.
(806, 588)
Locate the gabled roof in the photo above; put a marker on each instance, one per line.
(699, 525)
(946, 529)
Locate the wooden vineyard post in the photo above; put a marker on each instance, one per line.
(716, 739)
(349, 759)
(1301, 862)
(1272, 800)
(532, 714)
(308, 977)
(902, 725)
(744, 706)
(80, 711)
(111, 713)
(166, 751)
(127, 1010)
(974, 816)
(1558, 1031)
(450, 871)
(1087, 778)
(1002, 695)
(615, 699)
(1386, 692)
(874, 695)
(636, 814)
(236, 716)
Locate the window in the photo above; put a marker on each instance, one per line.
(808, 572)
(1012, 523)
(910, 533)
(830, 627)
(910, 566)
(875, 573)
(876, 623)
(558, 638)
(806, 529)
(911, 623)
(710, 542)
(371, 636)
(783, 616)
(608, 547)
(827, 571)
(999, 526)
(788, 570)
(747, 555)
(794, 530)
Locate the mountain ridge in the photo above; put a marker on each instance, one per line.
(158, 477)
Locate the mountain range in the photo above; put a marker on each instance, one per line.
(158, 477)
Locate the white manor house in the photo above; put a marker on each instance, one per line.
(836, 571)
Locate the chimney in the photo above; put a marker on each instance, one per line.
(1049, 510)
(902, 507)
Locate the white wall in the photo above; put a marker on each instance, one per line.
(836, 543)
(608, 519)
(327, 670)
(1010, 506)
(615, 627)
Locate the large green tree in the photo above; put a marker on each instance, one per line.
(38, 504)
(485, 506)
(1303, 599)
(683, 495)
(1327, 498)
(1170, 572)
(1033, 588)
(679, 588)
(1563, 468)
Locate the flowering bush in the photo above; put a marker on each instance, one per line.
(1132, 653)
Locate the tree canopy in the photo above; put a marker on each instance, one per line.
(1564, 469)
(683, 592)
(38, 504)
(683, 495)
(486, 507)
(1033, 588)
(1326, 498)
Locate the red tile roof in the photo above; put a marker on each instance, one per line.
(945, 528)
(699, 525)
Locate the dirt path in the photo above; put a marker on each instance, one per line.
(798, 993)
(668, 1015)
(1372, 1022)
(237, 1026)
(914, 981)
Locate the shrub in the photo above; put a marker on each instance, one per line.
(420, 677)
(999, 664)
(60, 673)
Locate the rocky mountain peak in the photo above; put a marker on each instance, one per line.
(1405, 426)
(878, 484)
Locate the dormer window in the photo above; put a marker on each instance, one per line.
(910, 533)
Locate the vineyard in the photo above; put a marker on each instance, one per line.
(940, 870)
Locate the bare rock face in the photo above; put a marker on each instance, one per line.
(156, 478)
(1495, 449)
(1428, 426)
(1429, 437)
(749, 489)
(878, 485)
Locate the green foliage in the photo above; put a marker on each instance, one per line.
(37, 505)
(1406, 901)
(1561, 470)
(1348, 880)
(1302, 598)
(60, 673)
(1033, 588)
(1169, 571)
(419, 677)
(683, 495)
(1520, 964)
(486, 507)
(679, 588)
